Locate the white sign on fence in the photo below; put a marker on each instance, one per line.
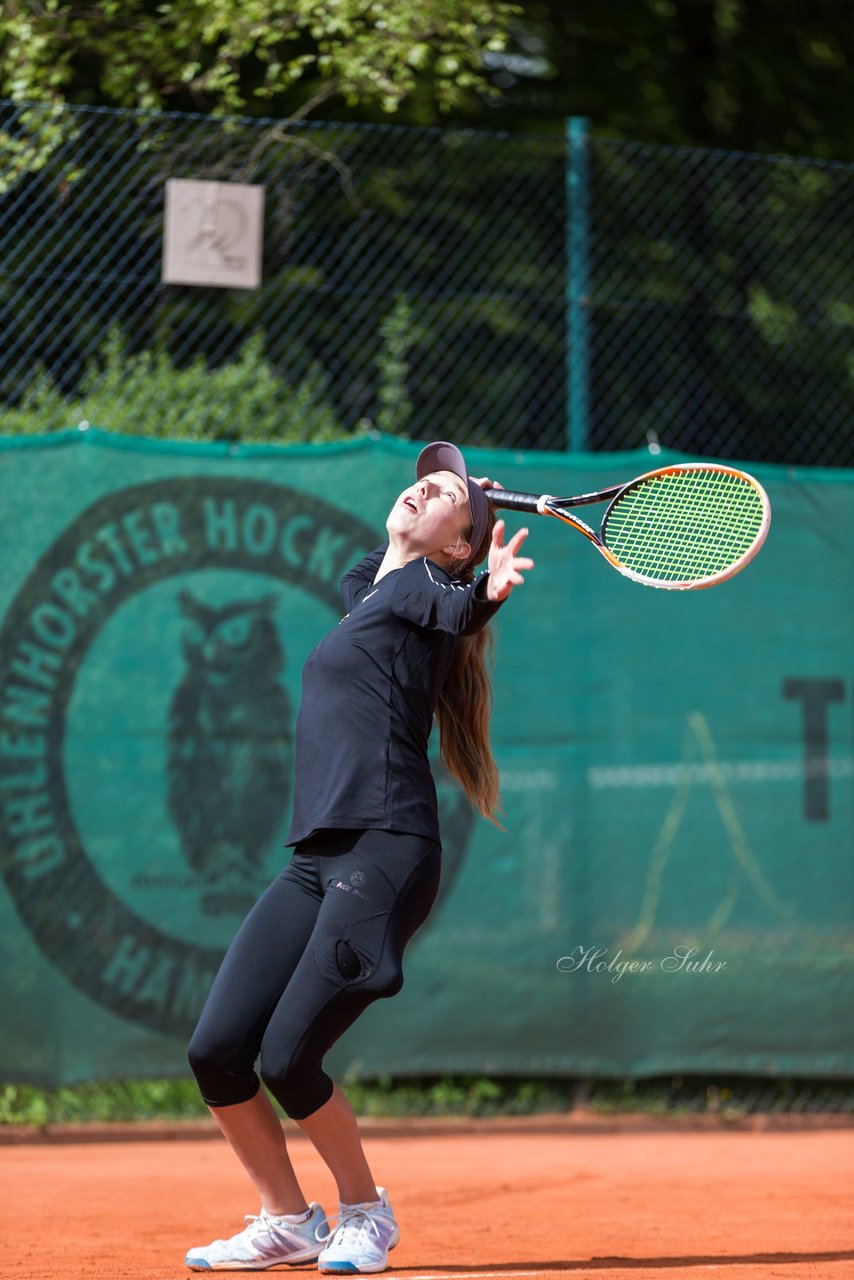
(213, 233)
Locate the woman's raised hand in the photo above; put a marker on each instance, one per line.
(504, 563)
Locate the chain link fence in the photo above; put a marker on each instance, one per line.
(555, 292)
(722, 303)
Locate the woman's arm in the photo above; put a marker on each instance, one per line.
(431, 600)
(423, 594)
(358, 579)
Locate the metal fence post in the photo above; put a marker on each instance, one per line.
(577, 283)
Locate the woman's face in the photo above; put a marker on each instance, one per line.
(432, 515)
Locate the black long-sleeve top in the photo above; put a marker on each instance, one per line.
(369, 691)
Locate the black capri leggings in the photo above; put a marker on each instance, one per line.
(323, 942)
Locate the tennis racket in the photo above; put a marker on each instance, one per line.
(680, 527)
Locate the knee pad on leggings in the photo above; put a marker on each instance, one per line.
(362, 955)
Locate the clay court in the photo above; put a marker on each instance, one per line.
(626, 1199)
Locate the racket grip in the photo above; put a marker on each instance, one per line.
(513, 501)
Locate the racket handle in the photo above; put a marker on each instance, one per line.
(513, 501)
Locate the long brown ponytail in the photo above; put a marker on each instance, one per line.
(465, 707)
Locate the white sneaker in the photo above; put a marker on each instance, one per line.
(361, 1238)
(265, 1242)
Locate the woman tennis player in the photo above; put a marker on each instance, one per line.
(327, 937)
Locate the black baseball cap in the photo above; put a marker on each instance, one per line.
(441, 455)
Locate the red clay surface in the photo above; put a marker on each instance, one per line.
(614, 1201)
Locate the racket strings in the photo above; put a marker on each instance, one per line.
(685, 525)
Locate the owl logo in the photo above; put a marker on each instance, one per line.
(230, 746)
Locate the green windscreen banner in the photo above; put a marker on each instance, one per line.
(673, 890)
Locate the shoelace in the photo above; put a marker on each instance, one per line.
(352, 1224)
(256, 1223)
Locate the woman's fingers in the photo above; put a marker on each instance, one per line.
(511, 548)
(504, 563)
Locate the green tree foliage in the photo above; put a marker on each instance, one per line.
(221, 57)
(753, 75)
